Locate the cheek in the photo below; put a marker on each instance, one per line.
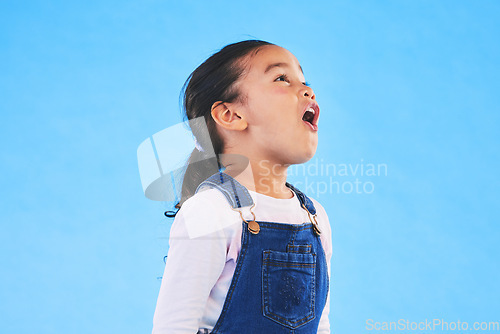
(280, 91)
(268, 107)
(276, 103)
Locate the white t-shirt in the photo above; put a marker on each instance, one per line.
(205, 240)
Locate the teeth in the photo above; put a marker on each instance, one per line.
(311, 110)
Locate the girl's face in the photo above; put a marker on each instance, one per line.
(277, 100)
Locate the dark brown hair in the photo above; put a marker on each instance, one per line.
(214, 80)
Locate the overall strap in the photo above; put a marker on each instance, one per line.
(304, 200)
(236, 194)
(308, 205)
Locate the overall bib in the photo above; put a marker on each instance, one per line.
(280, 282)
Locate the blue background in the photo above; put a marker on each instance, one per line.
(409, 84)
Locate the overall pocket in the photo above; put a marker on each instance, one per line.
(288, 287)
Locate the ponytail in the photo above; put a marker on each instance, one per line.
(198, 169)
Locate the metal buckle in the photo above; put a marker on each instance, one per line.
(253, 226)
(315, 222)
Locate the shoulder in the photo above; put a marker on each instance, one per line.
(205, 199)
(206, 212)
(320, 210)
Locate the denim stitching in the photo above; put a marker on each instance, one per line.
(289, 265)
(237, 188)
(285, 226)
(235, 194)
(325, 266)
(266, 286)
(298, 248)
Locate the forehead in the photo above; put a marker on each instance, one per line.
(270, 56)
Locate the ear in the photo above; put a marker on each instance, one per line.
(227, 116)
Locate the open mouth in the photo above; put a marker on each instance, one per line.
(311, 116)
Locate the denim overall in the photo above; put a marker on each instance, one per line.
(280, 282)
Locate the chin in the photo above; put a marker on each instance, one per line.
(310, 152)
(309, 157)
(303, 158)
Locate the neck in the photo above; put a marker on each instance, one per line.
(263, 176)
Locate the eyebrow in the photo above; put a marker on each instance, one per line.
(271, 66)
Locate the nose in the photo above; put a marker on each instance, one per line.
(308, 92)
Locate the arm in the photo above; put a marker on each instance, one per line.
(324, 323)
(192, 268)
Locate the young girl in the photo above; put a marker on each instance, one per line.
(249, 253)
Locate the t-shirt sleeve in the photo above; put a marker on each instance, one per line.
(194, 263)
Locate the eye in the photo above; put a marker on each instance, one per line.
(282, 77)
(306, 84)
